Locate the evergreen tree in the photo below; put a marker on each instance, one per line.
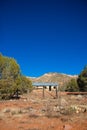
(11, 79)
(82, 80)
(72, 86)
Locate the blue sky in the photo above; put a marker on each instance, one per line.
(45, 35)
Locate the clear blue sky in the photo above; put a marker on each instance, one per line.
(45, 35)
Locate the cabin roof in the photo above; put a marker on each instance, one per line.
(44, 84)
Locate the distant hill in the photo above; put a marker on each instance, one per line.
(54, 77)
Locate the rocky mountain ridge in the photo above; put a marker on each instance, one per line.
(59, 78)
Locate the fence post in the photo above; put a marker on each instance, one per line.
(43, 91)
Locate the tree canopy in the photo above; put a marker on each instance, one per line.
(72, 86)
(11, 78)
(82, 80)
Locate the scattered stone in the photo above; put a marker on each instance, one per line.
(67, 127)
(63, 102)
(79, 109)
(56, 109)
(73, 97)
(79, 96)
(6, 110)
(43, 110)
(25, 100)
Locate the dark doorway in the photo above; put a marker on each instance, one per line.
(49, 88)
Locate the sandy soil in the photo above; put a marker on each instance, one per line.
(32, 112)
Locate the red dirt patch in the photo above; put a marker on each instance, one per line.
(32, 114)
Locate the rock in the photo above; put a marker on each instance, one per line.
(73, 97)
(84, 110)
(63, 102)
(43, 110)
(79, 97)
(79, 109)
(6, 110)
(56, 109)
(67, 127)
(25, 100)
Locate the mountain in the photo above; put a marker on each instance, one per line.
(59, 78)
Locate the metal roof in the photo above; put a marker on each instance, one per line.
(44, 84)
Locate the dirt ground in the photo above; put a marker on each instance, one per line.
(33, 112)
